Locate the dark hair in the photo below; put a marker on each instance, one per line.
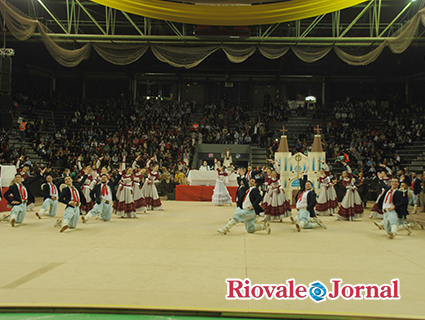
(18, 174)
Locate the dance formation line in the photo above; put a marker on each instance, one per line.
(391, 204)
(96, 195)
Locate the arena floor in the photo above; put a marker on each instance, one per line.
(175, 260)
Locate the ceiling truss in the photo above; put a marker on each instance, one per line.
(367, 24)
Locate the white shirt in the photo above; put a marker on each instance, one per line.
(108, 197)
(302, 201)
(51, 188)
(24, 192)
(247, 202)
(388, 200)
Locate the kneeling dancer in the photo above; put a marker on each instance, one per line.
(104, 195)
(247, 210)
(306, 200)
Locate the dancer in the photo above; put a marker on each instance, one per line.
(124, 206)
(275, 203)
(18, 195)
(327, 203)
(50, 193)
(86, 187)
(221, 195)
(138, 175)
(416, 187)
(392, 204)
(351, 206)
(384, 179)
(242, 181)
(362, 187)
(402, 212)
(306, 200)
(247, 210)
(149, 189)
(24, 170)
(73, 197)
(104, 195)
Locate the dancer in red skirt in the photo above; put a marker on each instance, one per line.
(327, 204)
(275, 203)
(351, 206)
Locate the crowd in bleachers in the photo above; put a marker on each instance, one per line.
(109, 130)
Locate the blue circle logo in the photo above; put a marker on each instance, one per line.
(317, 291)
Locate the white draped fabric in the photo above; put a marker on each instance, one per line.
(191, 55)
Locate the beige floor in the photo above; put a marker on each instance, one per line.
(175, 259)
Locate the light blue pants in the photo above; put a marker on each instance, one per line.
(53, 204)
(304, 215)
(401, 221)
(247, 216)
(414, 199)
(390, 219)
(18, 212)
(72, 214)
(105, 211)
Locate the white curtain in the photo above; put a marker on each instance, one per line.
(191, 55)
(182, 56)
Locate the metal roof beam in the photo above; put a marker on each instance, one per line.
(90, 16)
(396, 18)
(132, 23)
(320, 41)
(356, 19)
(312, 25)
(270, 30)
(53, 16)
(174, 28)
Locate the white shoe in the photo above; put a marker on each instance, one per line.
(298, 227)
(393, 232)
(317, 220)
(378, 225)
(226, 228)
(222, 231)
(267, 227)
(322, 225)
(57, 223)
(409, 229)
